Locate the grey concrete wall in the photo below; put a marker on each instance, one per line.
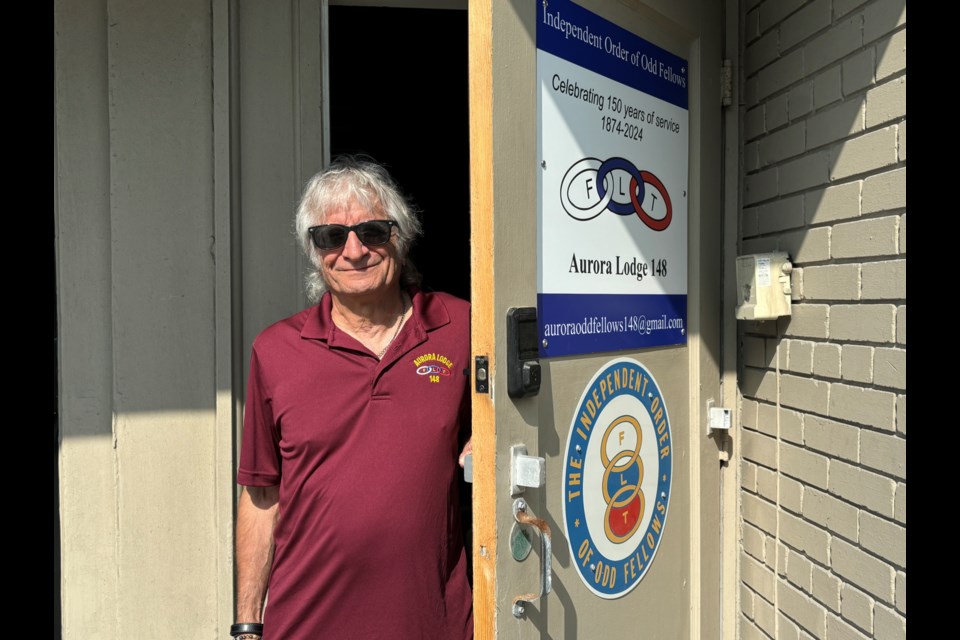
(823, 467)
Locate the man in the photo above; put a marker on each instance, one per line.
(356, 408)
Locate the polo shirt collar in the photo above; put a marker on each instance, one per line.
(429, 313)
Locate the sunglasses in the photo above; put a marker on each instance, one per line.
(372, 233)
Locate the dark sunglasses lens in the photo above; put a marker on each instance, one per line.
(330, 236)
(374, 232)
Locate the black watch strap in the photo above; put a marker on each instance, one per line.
(241, 628)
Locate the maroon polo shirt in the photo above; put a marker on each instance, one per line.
(368, 541)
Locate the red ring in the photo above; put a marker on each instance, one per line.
(653, 223)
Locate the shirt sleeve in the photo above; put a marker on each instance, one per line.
(260, 446)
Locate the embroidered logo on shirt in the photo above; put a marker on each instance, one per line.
(433, 365)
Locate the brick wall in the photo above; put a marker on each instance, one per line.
(823, 414)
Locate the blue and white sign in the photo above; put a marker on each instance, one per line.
(617, 477)
(613, 139)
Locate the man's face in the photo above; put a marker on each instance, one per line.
(356, 270)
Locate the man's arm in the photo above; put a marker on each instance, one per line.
(256, 516)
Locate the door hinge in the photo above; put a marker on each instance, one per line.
(726, 83)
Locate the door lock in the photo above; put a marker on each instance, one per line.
(523, 366)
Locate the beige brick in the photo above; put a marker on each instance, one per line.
(748, 413)
(750, 631)
(751, 91)
(798, 571)
(856, 607)
(882, 17)
(749, 222)
(887, 453)
(902, 141)
(888, 624)
(826, 360)
(804, 610)
(862, 487)
(834, 438)
(757, 577)
(890, 368)
(753, 352)
(800, 356)
(865, 238)
(748, 475)
(787, 629)
(863, 406)
(863, 322)
(753, 123)
(902, 415)
(791, 426)
(901, 589)
(887, 102)
(811, 245)
(902, 244)
(885, 280)
(891, 55)
(804, 23)
(759, 512)
(805, 172)
(759, 449)
(746, 600)
(772, 13)
(826, 87)
(775, 355)
(767, 483)
(832, 45)
(752, 20)
(806, 394)
(856, 363)
(902, 324)
(786, 213)
(862, 569)
(761, 185)
(804, 537)
(800, 99)
(838, 629)
(770, 552)
(776, 113)
(839, 202)
(900, 503)
(791, 494)
(752, 541)
(826, 588)
(857, 71)
(760, 53)
(783, 144)
(837, 516)
(780, 73)
(869, 152)
(751, 156)
(884, 191)
(835, 123)
(759, 384)
(884, 538)
(832, 282)
(765, 616)
(796, 284)
(767, 419)
(843, 7)
(807, 320)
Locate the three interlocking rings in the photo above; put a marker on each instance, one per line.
(622, 476)
(594, 205)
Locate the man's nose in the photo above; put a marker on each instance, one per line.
(353, 248)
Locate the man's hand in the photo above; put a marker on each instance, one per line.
(467, 449)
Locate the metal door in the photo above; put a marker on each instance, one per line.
(668, 583)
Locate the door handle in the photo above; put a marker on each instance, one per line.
(546, 556)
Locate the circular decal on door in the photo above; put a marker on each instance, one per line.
(617, 476)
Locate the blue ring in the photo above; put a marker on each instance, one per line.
(619, 208)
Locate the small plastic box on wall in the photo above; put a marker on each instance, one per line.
(763, 286)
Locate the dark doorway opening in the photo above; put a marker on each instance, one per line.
(399, 94)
